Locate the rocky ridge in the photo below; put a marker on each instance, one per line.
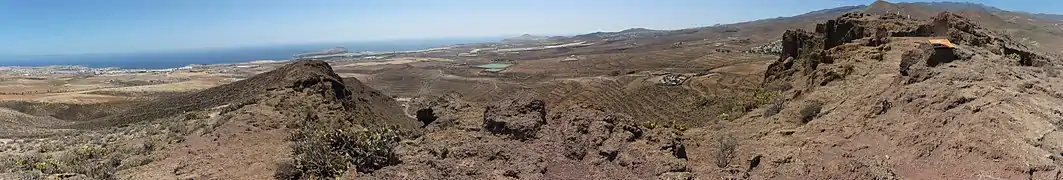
(239, 130)
(870, 99)
(312, 81)
(523, 138)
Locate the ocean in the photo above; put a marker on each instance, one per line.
(159, 60)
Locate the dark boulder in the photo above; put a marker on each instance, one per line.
(520, 117)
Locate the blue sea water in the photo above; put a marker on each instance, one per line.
(158, 60)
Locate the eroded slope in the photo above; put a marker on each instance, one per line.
(870, 99)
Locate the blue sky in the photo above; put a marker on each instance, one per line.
(29, 27)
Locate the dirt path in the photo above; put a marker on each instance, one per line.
(406, 110)
(405, 103)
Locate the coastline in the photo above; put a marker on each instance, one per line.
(175, 59)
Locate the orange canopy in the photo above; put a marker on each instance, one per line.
(941, 43)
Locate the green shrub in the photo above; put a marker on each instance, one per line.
(134, 161)
(724, 146)
(736, 107)
(53, 146)
(723, 117)
(15, 163)
(648, 125)
(761, 98)
(773, 109)
(87, 152)
(1013, 56)
(321, 151)
(94, 161)
(677, 125)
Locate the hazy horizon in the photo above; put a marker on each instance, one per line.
(43, 27)
(173, 59)
(322, 44)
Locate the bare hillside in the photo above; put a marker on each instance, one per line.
(871, 104)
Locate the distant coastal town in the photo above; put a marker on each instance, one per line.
(508, 46)
(78, 70)
(340, 52)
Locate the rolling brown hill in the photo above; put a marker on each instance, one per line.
(249, 122)
(15, 123)
(304, 77)
(1040, 31)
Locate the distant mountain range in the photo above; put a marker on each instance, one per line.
(1039, 30)
(329, 51)
(525, 38)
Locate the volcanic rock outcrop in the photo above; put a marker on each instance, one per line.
(893, 107)
(243, 129)
(520, 138)
(297, 87)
